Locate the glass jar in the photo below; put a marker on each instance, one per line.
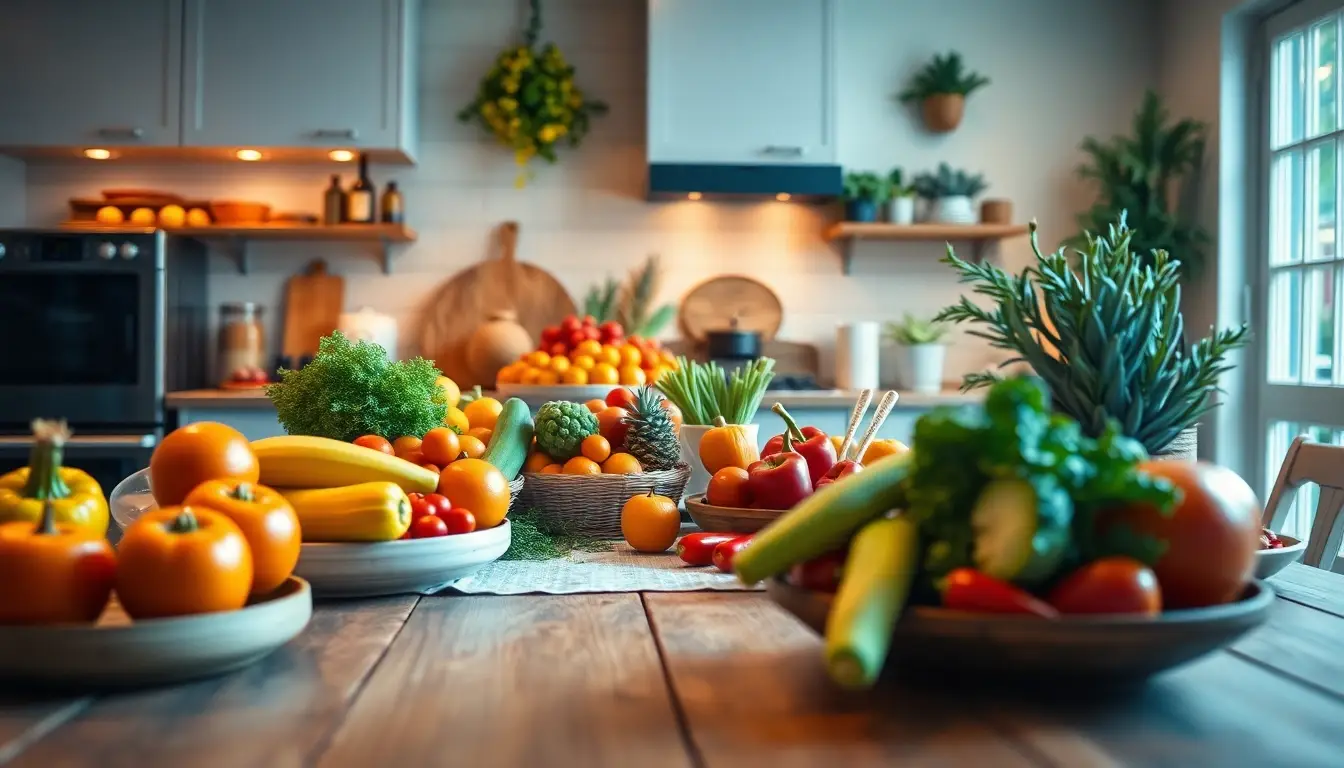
(242, 344)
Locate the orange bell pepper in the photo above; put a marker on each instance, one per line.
(727, 445)
(53, 573)
(177, 561)
(881, 449)
(267, 521)
(76, 498)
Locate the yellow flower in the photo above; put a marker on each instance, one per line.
(510, 85)
(515, 122)
(508, 105)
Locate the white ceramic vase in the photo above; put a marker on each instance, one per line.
(920, 367)
(901, 210)
(953, 210)
(690, 453)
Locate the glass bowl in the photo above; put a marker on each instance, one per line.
(131, 499)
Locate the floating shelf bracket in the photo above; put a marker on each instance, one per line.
(237, 248)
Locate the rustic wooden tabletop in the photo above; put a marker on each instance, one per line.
(688, 679)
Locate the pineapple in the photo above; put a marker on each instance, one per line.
(652, 437)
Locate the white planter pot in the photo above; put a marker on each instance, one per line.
(953, 210)
(920, 367)
(690, 453)
(901, 210)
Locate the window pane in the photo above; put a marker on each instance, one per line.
(1287, 90)
(1285, 327)
(1324, 39)
(1318, 326)
(1320, 202)
(1287, 187)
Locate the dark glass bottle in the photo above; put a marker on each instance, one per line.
(359, 201)
(394, 211)
(333, 202)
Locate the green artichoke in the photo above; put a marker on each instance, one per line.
(562, 426)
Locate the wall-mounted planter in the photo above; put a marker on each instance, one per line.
(861, 210)
(943, 111)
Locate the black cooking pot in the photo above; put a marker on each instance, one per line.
(733, 345)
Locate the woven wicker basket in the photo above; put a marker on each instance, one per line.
(515, 489)
(590, 505)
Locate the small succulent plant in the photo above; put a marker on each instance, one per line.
(944, 74)
(866, 185)
(896, 182)
(949, 183)
(912, 331)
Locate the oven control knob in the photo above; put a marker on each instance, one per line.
(107, 251)
(129, 251)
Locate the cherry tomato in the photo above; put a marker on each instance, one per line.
(621, 397)
(458, 520)
(438, 503)
(420, 507)
(821, 574)
(1109, 585)
(428, 527)
(375, 442)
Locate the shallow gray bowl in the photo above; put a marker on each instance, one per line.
(1270, 561)
(1096, 649)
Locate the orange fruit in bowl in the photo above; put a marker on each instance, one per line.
(610, 355)
(456, 420)
(595, 447)
(604, 373)
(530, 376)
(548, 379)
(481, 433)
(580, 465)
(595, 405)
(536, 462)
(630, 355)
(472, 446)
(657, 373)
(650, 523)
(477, 486)
(574, 377)
(632, 375)
(588, 347)
(559, 364)
(483, 412)
(509, 374)
(583, 362)
(539, 359)
(552, 469)
(669, 358)
(622, 464)
(191, 455)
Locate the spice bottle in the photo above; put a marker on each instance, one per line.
(393, 207)
(242, 344)
(333, 202)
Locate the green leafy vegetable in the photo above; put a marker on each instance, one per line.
(352, 389)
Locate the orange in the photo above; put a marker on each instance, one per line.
(539, 359)
(611, 356)
(548, 379)
(657, 373)
(621, 464)
(581, 466)
(479, 487)
(510, 374)
(650, 523)
(190, 455)
(406, 445)
(584, 362)
(559, 364)
(632, 375)
(595, 447)
(574, 376)
(530, 376)
(595, 405)
(588, 347)
(482, 412)
(536, 462)
(552, 469)
(440, 446)
(456, 420)
(604, 373)
(472, 446)
(630, 355)
(481, 433)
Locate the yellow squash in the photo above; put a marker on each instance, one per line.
(301, 461)
(366, 512)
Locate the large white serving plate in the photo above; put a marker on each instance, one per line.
(398, 567)
(120, 653)
(540, 394)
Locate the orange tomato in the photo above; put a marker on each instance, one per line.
(53, 574)
(1212, 535)
(574, 377)
(536, 462)
(583, 362)
(375, 442)
(650, 523)
(630, 355)
(478, 487)
(510, 374)
(530, 376)
(611, 425)
(595, 447)
(440, 446)
(728, 488)
(538, 359)
(611, 356)
(604, 373)
(622, 464)
(632, 376)
(588, 348)
(181, 560)
(484, 411)
(407, 445)
(580, 465)
(472, 446)
(552, 469)
(267, 521)
(559, 364)
(595, 405)
(547, 379)
(190, 455)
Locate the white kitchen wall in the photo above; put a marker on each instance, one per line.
(1061, 70)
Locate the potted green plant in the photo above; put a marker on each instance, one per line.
(901, 207)
(941, 87)
(864, 192)
(1137, 173)
(949, 194)
(1107, 337)
(921, 353)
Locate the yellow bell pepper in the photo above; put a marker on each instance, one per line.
(76, 498)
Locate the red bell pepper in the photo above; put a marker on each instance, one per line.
(967, 589)
(816, 448)
(779, 481)
(776, 444)
(841, 469)
(698, 548)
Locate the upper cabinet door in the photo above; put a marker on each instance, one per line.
(84, 74)
(747, 81)
(295, 73)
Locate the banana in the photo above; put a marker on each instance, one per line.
(302, 461)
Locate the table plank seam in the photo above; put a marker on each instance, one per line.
(44, 728)
(693, 750)
(1303, 602)
(1269, 667)
(1018, 742)
(321, 746)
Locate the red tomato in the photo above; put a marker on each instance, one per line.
(1212, 534)
(549, 336)
(428, 527)
(621, 397)
(438, 503)
(420, 507)
(458, 520)
(375, 442)
(570, 323)
(1109, 585)
(558, 348)
(821, 574)
(589, 321)
(576, 338)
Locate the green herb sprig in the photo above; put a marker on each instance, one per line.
(703, 391)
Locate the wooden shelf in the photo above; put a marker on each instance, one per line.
(978, 235)
(236, 238)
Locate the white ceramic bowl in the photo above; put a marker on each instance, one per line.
(573, 392)
(1270, 561)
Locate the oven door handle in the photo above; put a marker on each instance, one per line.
(87, 441)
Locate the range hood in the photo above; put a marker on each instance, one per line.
(755, 181)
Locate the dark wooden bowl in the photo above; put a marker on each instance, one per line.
(729, 519)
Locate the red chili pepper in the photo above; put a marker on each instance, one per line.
(967, 589)
(698, 548)
(841, 469)
(726, 551)
(780, 481)
(816, 448)
(821, 574)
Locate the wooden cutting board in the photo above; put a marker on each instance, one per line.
(731, 301)
(313, 303)
(471, 296)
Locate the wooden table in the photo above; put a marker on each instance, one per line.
(692, 679)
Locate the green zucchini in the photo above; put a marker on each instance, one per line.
(879, 569)
(1020, 533)
(511, 438)
(824, 520)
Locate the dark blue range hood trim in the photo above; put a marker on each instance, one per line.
(722, 180)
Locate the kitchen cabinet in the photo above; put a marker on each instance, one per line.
(275, 73)
(89, 74)
(750, 81)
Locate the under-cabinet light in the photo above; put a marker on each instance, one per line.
(341, 155)
(783, 197)
(248, 154)
(98, 154)
(693, 196)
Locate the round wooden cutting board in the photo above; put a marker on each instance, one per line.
(714, 304)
